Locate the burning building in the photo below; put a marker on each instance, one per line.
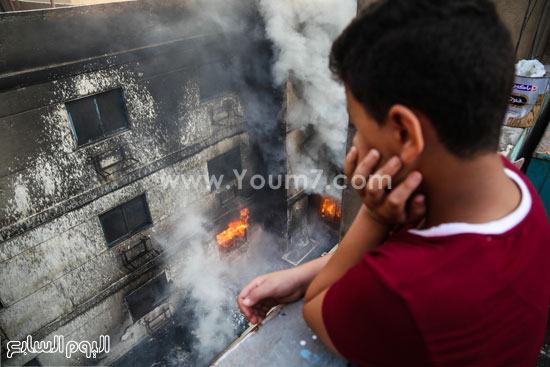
(104, 119)
(235, 232)
(110, 112)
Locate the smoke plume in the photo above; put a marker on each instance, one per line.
(302, 33)
(210, 281)
(286, 40)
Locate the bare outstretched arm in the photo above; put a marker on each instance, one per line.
(272, 289)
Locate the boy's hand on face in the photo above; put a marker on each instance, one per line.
(385, 203)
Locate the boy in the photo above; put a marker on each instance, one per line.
(464, 280)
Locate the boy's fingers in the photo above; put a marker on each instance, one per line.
(257, 320)
(245, 307)
(364, 169)
(382, 179)
(254, 283)
(256, 295)
(350, 162)
(245, 310)
(399, 195)
(417, 208)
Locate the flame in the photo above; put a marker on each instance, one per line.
(330, 209)
(235, 229)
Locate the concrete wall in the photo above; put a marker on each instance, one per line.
(546, 58)
(57, 274)
(83, 2)
(22, 5)
(512, 13)
(91, 31)
(43, 165)
(59, 266)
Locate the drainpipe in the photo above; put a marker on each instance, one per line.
(53, 3)
(535, 136)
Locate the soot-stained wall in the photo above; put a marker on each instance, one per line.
(58, 275)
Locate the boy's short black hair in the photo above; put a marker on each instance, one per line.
(452, 60)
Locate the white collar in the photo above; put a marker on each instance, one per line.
(496, 227)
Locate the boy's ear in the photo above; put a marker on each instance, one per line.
(408, 132)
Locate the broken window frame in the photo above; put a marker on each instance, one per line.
(156, 287)
(226, 180)
(104, 135)
(129, 232)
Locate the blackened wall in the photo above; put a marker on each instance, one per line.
(58, 276)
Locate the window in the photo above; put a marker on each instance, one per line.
(224, 164)
(96, 117)
(33, 362)
(144, 299)
(215, 80)
(125, 220)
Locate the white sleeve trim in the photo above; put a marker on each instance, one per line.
(496, 227)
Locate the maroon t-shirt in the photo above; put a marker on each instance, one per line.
(453, 295)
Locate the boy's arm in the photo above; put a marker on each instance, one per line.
(369, 229)
(285, 286)
(364, 234)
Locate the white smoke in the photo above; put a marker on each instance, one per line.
(201, 274)
(210, 281)
(302, 33)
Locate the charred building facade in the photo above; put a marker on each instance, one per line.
(114, 117)
(100, 132)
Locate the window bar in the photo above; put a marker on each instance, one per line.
(128, 232)
(72, 125)
(98, 115)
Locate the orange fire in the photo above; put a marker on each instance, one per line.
(235, 230)
(330, 209)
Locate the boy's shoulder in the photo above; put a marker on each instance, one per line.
(442, 290)
(412, 256)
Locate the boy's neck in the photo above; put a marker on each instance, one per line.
(468, 191)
